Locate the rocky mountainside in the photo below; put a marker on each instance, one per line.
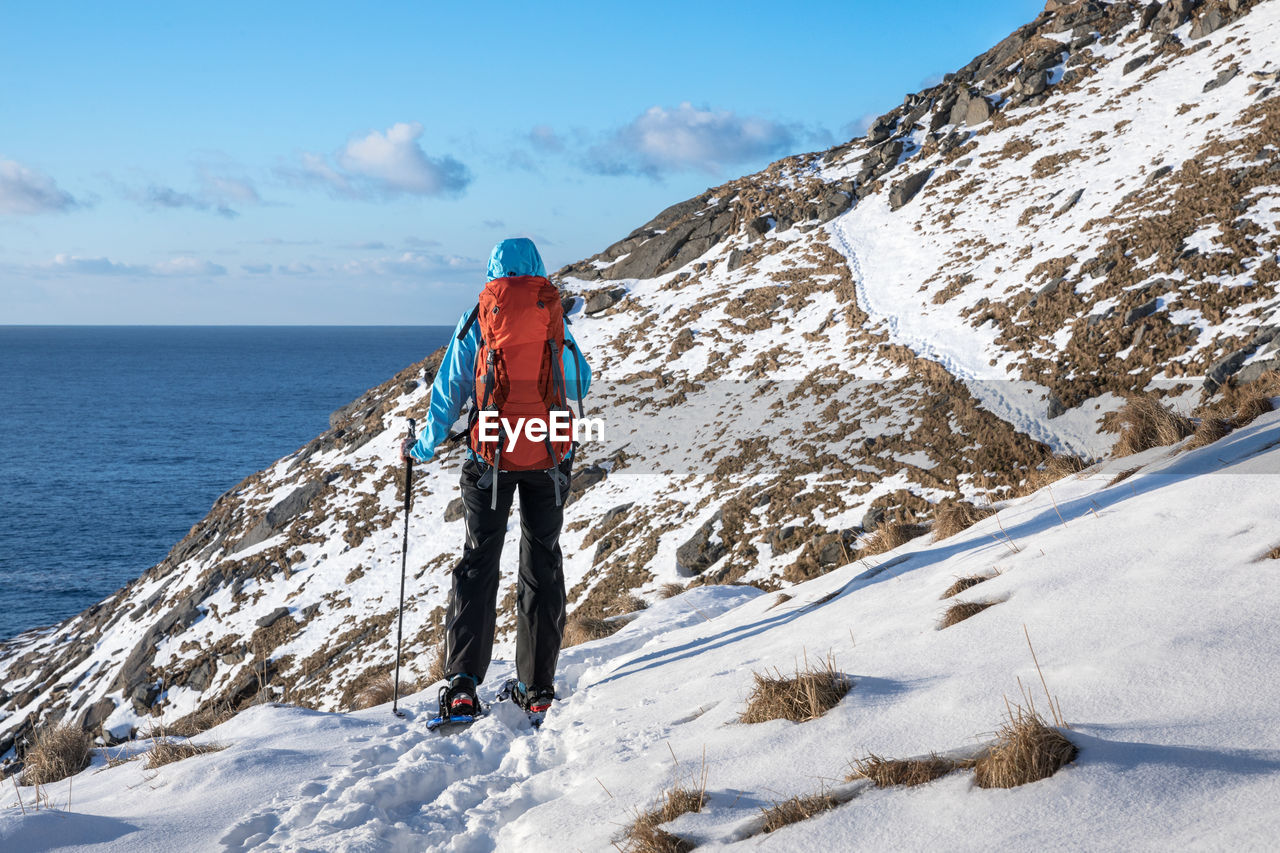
(795, 369)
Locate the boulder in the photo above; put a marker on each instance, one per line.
(873, 518)
(1146, 309)
(200, 677)
(1054, 408)
(1224, 77)
(702, 549)
(1207, 23)
(1069, 203)
(568, 304)
(602, 300)
(1170, 16)
(785, 540)
(977, 111)
(95, 714)
(960, 110)
(737, 258)
(1136, 63)
(273, 617)
(907, 189)
(280, 514)
(1148, 14)
(453, 510)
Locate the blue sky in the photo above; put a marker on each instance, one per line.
(343, 163)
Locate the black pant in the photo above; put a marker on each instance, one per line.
(540, 597)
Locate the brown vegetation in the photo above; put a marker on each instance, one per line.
(961, 584)
(382, 691)
(670, 590)
(952, 517)
(1055, 468)
(165, 751)
(1123, 475)
(645, 835)
(891, 536)
(56, 752)
(1026, 750)
(885, 772)
(962, 611)
(1209, 431)
(202, 720)
(797, 809)
(805, 696)
(628, 602)
(1148, 423)
(583, 629)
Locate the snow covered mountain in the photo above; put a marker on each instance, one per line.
(795, 371)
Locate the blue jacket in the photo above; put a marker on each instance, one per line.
(456, 378)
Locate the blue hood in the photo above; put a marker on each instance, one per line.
(517, 256)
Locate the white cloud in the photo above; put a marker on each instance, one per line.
(411, 264)
(24, 190)
(174, 267)
(385, 164)
(687, 138)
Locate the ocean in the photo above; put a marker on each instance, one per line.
(116, 440)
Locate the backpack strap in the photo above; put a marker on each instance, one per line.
(471, 321)
(578, 360)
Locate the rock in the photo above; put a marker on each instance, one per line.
(907, 189)
(95, 715)
(702, 549)
(960, 111)
(1225, 367)
(615, 515)
(881, 129)
(834, 549)
(1069, 203)
(1224, 77)
(1136, 63)
(977, 111)
(584, 479)
(568, 304)
(785, 540)
(1148, 15)
(760, 226)
(281, 514)
(273, 617)
(1055, 407)
(1146, 309)
(890, 153)
(873, 518)
(1157, 175)
(1170, 16)
(834, 203)
(602, 300)
(1207, 23)
(737, 258)
(201, 676)
(453, 510)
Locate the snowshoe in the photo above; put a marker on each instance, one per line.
(459, 706)
(534, 701)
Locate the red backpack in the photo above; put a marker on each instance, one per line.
(520, 418)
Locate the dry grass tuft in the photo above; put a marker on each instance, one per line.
(797, 809)
(1148, 423)
(962, 611)
(670, 590)
(1273, 554)
(583, 629)
(952, 517)
(202, 720)
(805, 696)
(961, 584)
(627, 601)
(1026, 750)
(885, 773)
(891, 536)
(645, 834)
(1123, 475)
(165, 751)
(1209, 431)
(435, 672)
(383, 690)
(56, 752)
(1251, 408)
(1055, 468)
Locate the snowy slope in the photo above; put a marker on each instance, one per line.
(783, 364)
(1149, 603)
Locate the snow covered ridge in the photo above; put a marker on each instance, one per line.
(1149, 600)
(918, 317)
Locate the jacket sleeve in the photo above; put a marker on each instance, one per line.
(455, 381)
(577, 373)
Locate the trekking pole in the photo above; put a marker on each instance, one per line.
(404, 561)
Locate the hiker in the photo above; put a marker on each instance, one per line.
(512, 355)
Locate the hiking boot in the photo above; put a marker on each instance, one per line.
(458, 699)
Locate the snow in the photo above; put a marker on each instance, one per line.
(1149, 604)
